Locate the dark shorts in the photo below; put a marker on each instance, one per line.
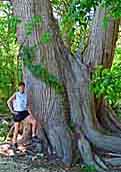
(20, 116)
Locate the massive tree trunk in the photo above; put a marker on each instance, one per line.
(94, 139)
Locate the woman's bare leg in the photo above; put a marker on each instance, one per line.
(16, 130)
(31, 120)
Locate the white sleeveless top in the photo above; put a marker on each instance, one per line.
(20, 103)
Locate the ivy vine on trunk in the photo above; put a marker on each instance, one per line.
(89, 116)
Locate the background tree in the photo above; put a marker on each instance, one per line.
(9, 66)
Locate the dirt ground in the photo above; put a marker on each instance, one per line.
(26, 164)
(28, 161)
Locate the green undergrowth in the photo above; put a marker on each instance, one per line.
(106, 82)
(4, 128)
(88, 168)
(3, 108)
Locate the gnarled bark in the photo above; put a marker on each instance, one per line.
(75, 74)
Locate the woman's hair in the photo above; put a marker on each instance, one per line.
(21, 84)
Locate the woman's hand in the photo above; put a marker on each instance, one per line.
(14, 112)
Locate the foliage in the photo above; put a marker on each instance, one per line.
(8, 52)
(3, 130)
(75, 17)
(114, 7)
(31, 24)
(39, 71)
(10, 65)
(3, 108)
(28, 53)
(49, 79)
(107, 82)
(89, 168)
(46, 38)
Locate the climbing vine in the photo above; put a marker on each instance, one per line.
(38, 70)
(51, 80)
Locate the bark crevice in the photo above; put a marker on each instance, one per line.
(47, 106)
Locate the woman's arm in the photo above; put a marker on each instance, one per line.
(9, 103)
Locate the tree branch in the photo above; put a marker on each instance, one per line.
(102, 41)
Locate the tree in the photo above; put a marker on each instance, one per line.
(57, 101)
(8, 49)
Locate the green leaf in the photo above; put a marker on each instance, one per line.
(46, 38)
